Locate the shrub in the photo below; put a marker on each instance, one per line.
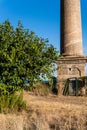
(11, 99)
(41, 88)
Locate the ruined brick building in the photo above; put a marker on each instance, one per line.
(72, 61)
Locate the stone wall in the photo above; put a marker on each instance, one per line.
(69, 67)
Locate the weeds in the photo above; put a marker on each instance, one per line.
(11, 99)
(41, 89)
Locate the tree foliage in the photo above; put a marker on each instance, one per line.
(24, 56)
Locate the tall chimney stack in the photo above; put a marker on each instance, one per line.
(71, 31)
(72, 62)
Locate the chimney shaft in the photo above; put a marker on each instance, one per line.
(71, 31)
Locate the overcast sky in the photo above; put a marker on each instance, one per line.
(40, 16)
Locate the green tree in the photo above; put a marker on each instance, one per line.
(24, 56)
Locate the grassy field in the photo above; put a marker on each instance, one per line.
(48, 113)
(57, 113)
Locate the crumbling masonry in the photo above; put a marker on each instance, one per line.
(72, 61)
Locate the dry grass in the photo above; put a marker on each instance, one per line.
(57, 113)
(41, 88)
(48, 113)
